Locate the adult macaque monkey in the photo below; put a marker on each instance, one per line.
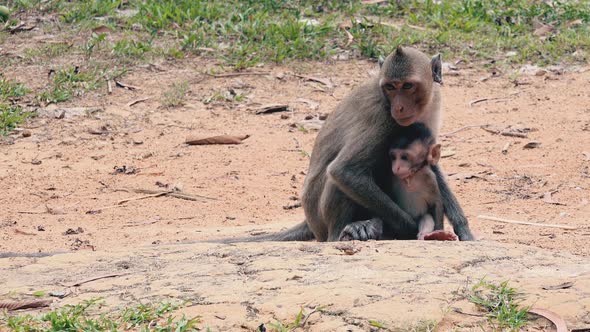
(413, 153)
(346, 191)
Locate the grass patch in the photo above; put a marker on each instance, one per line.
(48, 51)
(299, 322)
(501, 303)
(70, 82)
(244, 33)
(86, 316)
(11, 114)
(175, 95)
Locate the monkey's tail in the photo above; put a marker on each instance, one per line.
(300, 232)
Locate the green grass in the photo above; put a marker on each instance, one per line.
(501, 304)
(244, 33)
(237, 34)
(86, 316)
(175, 95)
(11, 114)
(71, 82)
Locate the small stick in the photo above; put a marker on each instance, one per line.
(505, 148)
(109, 86)
(174, 194)
(350, 38)
(508, 221)
(239, 74)
(98, 278)
(513, 134)
(477, 101)
(158, 194)
(138, 101)
(461, 129)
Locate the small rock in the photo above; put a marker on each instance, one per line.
(72, 231)
(58, 294)
(26, 133)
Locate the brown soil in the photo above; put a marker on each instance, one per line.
(52, 179)
(61, 191)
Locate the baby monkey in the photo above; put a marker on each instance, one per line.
(413, 152)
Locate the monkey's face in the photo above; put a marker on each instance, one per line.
(405, 161)
(405, 100)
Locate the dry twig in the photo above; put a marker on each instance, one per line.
(98, 278)
(24, 304)
(517, 222)
(245, 73)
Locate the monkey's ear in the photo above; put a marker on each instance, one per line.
(381, 60)
(434, 154)
(436, 65)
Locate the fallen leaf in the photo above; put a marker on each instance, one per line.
(22, 26)
(532, 145)
(324, 81)
(559, 323)
(221, 139)
(574, 22)
(564, 285)
(126, 86)
(18, 231)
(310, 124)
(310, 103)
(544, 30)
(24, 304)
(102, 29)
(547, 198)
(273, 108)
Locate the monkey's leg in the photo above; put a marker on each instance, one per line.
(452, 208)
(338, 211)
(425, 226)
(360, 190)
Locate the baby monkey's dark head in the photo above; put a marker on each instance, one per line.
(413, 148)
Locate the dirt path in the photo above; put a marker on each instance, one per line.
(238, 287)
(56, 181)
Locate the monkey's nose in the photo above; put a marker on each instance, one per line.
(400, 109)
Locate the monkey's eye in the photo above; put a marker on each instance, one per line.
(389, 86)
(404, 157)
(407, 86)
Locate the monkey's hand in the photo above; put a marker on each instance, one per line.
(371, 229)
(438, 236)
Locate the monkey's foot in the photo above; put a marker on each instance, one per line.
(465, 234)
(371, 229)
(438, 236)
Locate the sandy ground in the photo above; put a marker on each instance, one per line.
(241, 287)
(61, 190)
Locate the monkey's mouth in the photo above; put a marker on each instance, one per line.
(405, 121)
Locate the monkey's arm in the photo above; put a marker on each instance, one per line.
(359, 185)
(452, 208)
